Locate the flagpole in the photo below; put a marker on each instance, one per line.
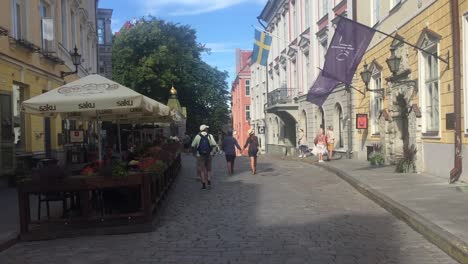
(269, 33)
(396, 38)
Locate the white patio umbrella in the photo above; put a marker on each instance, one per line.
(94, 97)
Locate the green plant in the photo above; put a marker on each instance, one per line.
(377, 158)
(406, 160)
(119, 169)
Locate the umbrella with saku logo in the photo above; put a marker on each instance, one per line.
(95, 97)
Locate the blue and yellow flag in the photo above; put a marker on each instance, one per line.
(261, 48)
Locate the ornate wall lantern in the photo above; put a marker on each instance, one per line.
(393, 62)
(76, 60)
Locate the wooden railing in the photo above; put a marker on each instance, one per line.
(88, 210)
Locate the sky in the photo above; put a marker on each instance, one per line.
(223, 25)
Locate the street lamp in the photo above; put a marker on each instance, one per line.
(366, 75)
(393, 62)
(76, 60)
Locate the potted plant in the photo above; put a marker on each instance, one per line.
(376, 158)
(406, 161)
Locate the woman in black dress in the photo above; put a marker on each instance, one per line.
(252, 143)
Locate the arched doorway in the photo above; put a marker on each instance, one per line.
(338, 125)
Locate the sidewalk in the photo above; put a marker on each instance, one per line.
(427, 203)
(9, 224)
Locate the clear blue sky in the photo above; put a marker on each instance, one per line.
(222, 25)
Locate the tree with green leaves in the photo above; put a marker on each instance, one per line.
(153, 55)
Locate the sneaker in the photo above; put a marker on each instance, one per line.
(320, 160)
(203, 186)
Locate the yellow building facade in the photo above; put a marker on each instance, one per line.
(36, 40)
(415, 104)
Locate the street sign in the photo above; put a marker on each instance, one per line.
(261, 129)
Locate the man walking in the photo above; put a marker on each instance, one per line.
(203, 144)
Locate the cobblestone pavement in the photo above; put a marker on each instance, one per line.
(289, 212)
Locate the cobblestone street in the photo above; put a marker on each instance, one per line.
(289, 212)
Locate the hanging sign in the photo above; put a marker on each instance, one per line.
(361, 121)
(261, 130)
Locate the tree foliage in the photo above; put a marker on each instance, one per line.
(153, 55)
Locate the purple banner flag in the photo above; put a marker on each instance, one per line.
(348, 45)
(321, 89)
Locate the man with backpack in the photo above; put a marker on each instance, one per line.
(203, 144)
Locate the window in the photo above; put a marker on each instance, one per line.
(376, 102)
(64, 23)
(73, 29)
(375, 18)
(18, 116)
(307, 13)
(294, 24)
(47, 26)
(100, 29)
(306, 72)
(18, 22)
(247, 87)
(429, 75)
(247, 113)
(6, 121)
(324, 7)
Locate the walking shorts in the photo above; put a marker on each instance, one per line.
(204, 162)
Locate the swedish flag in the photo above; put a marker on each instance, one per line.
(261, 48)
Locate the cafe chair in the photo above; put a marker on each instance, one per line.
(49, 176)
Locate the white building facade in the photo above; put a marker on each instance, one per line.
(301, 31)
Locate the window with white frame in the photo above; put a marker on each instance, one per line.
(63, 11)
(47, 25)
(247, 113)
(18, 19)
(101, 31)
(375, 12)
(324, 9)
(307, 13)
(306, 72)
(247, 87)
(376, 101)
(430, 95)
(285, 31)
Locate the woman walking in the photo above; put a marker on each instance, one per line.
(252, 143)
(229, 146)
(302, 144)
(320, 144)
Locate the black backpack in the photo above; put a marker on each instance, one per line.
(204, 147)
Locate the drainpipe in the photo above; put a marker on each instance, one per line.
(350, 97)
(457, 170)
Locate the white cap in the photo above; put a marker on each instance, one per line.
(203, 127)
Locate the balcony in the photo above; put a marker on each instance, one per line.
(281, 96)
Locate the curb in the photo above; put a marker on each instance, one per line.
(9, 242)
(446, 241)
